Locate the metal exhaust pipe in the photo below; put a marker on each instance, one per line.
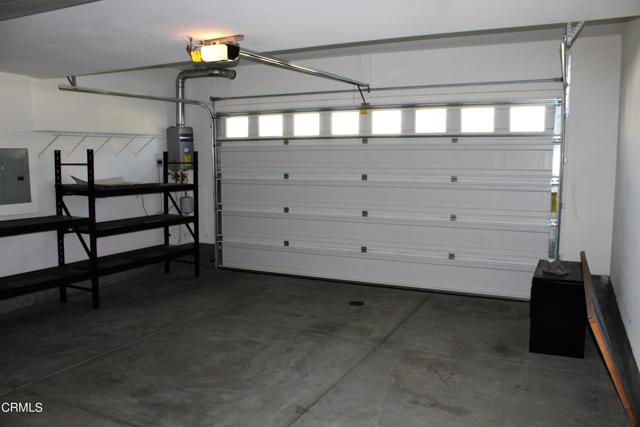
(193, 74)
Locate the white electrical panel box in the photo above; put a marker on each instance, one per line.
(15, 185)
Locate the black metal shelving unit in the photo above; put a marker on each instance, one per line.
(66, 274)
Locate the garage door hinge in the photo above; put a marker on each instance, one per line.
(286, 209)
(365, 214)
(285, 142)
(364, 177)
(286, 243)
(454, 140)
(365, 140)
(285, 176)
(454, 178)
(452, 255)
(453, 217)
(363, 249)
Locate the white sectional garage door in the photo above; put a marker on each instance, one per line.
(455, 211)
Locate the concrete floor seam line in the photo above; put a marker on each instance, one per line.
(404, 319)
(82, 408)
(362, 359)
(127, 344)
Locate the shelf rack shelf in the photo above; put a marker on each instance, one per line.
(66, 274)
(40, 280)
(132, 225)
(102, 191)
(16, 227)
(128, 260)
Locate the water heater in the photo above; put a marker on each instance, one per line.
(180, 147)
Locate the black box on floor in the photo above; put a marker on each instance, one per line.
(558, 312)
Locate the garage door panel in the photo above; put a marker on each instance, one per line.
(487, 280)
(390, 197)
(409, 177)
(492, 158)
(367, 232)
(406, 214)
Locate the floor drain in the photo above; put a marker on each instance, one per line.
(356, 303)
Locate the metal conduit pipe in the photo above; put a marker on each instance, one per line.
(192, 74)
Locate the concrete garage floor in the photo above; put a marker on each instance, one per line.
(238, 349)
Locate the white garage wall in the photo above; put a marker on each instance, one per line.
(54, 109)
(592, 135)
(16, 114)
(625, 270)
(592, 130)
(32, 104)
(16, 119)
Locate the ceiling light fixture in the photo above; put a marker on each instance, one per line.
(223, 50)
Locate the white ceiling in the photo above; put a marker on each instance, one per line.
(122, 34)
(10, 9)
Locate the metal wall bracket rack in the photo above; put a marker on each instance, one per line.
(66, 275)
(106, 136)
